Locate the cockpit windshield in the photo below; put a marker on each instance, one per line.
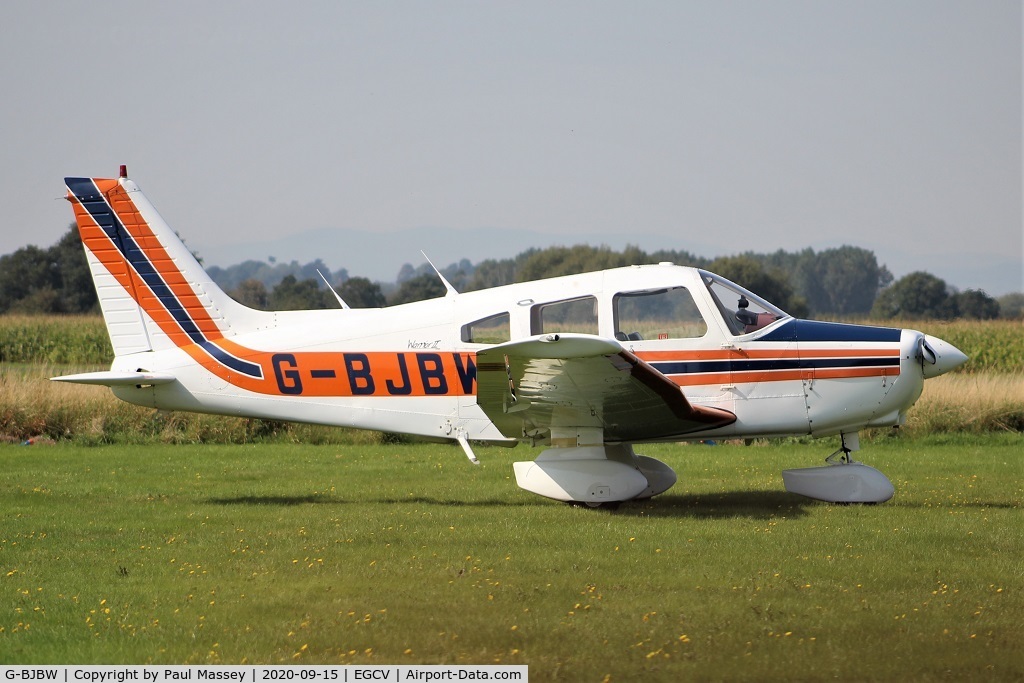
(742, 311)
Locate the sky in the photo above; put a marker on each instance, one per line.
(713, 127)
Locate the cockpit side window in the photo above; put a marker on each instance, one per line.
(742, 311)
(572, 315)
(494, 329)
(658, 314)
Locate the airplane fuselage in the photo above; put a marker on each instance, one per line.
(412, 368)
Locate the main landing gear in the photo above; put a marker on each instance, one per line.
(842, 479)
(595, 476)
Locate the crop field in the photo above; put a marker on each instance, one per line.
(369, 553)
(54, 339)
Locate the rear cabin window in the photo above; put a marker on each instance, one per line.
(658, 314)
(494, 329)
(571, 315)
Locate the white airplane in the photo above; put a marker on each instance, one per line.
(588, 364)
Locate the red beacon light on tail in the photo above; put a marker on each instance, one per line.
(124, 171)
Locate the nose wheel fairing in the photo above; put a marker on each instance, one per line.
(841, 482)
(841, 479)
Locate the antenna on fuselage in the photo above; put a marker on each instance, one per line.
(336, 295)
(447, 285)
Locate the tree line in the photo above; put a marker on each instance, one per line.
(844, 282)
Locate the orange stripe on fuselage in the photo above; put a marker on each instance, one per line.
(349, 373)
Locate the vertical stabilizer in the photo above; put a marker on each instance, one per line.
(153, 292)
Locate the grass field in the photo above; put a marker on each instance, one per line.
(408, 554)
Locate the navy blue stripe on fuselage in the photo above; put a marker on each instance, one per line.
(230, 361)
(771, 364)
(817, 331)
(102, 213)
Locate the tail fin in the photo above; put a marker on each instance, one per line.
(153, 293)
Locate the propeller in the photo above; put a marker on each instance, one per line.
(937, 356)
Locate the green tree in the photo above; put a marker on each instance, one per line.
(271, 274)
(976, 305)
(495, 272)
(1011, 306)
(419, 288)
(76, 289)
(406, 272)
(252, 293)
(23, 272)
(359, 292)
(298, 295)
(492, 273)
(840, 281)
(915, 296)
(577, 259)
(52, 280)
(232, 277)
(849, 278)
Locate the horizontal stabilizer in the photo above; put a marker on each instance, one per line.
(116, 379)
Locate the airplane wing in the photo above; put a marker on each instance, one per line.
(528, 386)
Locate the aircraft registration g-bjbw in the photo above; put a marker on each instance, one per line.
(588, 364)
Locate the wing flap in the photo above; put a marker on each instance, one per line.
(531, 386)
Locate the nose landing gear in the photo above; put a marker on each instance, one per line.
(842, 480)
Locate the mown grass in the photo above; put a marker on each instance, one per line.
(408, 554)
